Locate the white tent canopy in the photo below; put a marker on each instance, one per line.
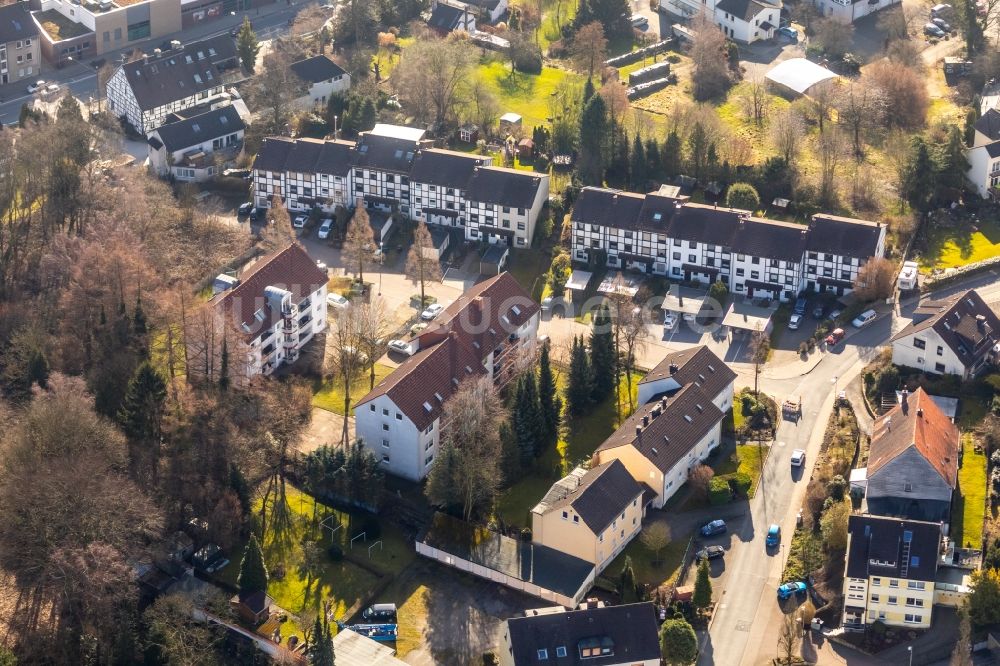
(799, 74)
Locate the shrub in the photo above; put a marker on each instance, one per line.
(719, 491)
(836, 487)
(743, 195)
(673, 58)
(741, 483)
(995, 458)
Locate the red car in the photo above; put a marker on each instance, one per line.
(836, 336)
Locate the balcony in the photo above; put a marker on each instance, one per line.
(290, 342)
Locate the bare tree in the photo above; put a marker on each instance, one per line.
(431, 76)
(422, 264)
(787, 131)
(177, 636)
(698, 479)
(274, 88)
(755, 99)
(821, 99)
(484, 105)
(589, 48)
(655, 536)
(835, 37)
(906, 86)
(788, 639)
(344, 340)
(831, 148)
(875, 280)
(710, 74)
(373, 328)
(897, 22)
(359, 243)
(859, 108)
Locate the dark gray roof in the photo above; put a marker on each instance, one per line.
(444, 167)
(385, 152)
(706, 224)
(876, 548)
(989, 124)
(993, 149)
(965, 322)
(744, 10)
(597, 205)
(597, 495)
(546, 567)
(628, 633)
(845, 236)
(696, 365)
(304, 155)
(505, 187)
(446, 17)
(16, 23)
(675, 425)
(198, 129)
(316, 69)
(771, 239)
(180, 73)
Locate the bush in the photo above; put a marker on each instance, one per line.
(719, 491)
(743, 195)
(741, 483)
(673, 58)
(335, 552)
(836, 487)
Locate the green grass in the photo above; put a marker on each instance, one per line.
(663, 572)
(329, 395)
(957, 246)
(342, 583)
(583, 435)
(969, 510)
(751, 459)
(524, 94)
(528, 267)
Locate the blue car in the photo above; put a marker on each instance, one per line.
(713, 528)
(773, 536)
(790, 33)
(789, 589)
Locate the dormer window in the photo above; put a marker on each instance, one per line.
(428, 408)
(516, 310)
(259, 315)
(543, 654)
(438, 396)
(561, 651)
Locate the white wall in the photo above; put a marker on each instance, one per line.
(906, 353)
(408, 448)
(980, 169)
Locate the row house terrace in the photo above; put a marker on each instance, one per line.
(692, 242)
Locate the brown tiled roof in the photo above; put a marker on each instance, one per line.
(291, 269)
(675, 425)
(956, 321)
(597, 495)
(696, 365)
(455, 346)
(920, 424)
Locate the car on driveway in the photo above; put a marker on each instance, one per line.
(798, 458)
(790, 33)
(800, 306)
(863, 319)
(52, 88)
(931, 30)
(324, 229)
(36, 86)
(773, 537)
(337, 301)
(401, 347)
(299, 222)
(941, 23)
(638, 21)
(669, 321)
(713, 528)
(432, 311)
(244, 209)
(835, 336)
(794, 322)
(789, 589)
(834, 313)
(710, 553)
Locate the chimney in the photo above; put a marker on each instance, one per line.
(980, 322)
(673, 370)
(638, 429)
(920, 412)
(904, 404)
(645, 421)
(663, 402)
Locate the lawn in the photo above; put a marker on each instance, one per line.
(665, 571)
(329, 394)
(524, 94)
(343, 583)
(528, 267)
(969, 508)
(583, 435)
(960, 245)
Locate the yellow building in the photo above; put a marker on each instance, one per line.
(891, 570)
(590, 514)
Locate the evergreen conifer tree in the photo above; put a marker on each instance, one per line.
(548, 398)
(580, 386)
(253, 571)
(602, 354)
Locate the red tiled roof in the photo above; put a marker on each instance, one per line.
(921, 424)
(291, 269)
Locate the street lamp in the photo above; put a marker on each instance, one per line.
(335, 127)
(381, 260)
(909, 648)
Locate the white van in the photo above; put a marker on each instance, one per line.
(908, 276)
(863, 319)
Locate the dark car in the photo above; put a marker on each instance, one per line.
(819, 311)
(800, 306)
(244, 209)
(380, 613)
(710, 553)
(257, 213)
(713, 528)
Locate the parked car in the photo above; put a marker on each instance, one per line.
(798, 458)
(638, 20)
(418, 327)
(790, 33)
(819, 311)
(931, 30)
(402, 347)
(789, 589)
(669, 321)
(941, 23)
(256, 213)
(244, 209)
(908, 276)
(800, 306)
(689, 316)
(794, 322)
(337, 301)
(713, 528)
(324, 229)
(379, 614)
(834, 313)
(35, 87)
(51, 89)
(940, 10)
(358, 355)
(710, 553)
(835, 336)
(863, 319)
(773, 537)
(546, 304)
(300, 221)
(432, 311)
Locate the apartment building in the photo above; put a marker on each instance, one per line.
(892, 566)
(147, 91)
(263, 317)
(591, 514)
(322, 78)
(483, 334)
(395, 169)
(194, 148)
(678, 425)
(670, 236)
(20, 52)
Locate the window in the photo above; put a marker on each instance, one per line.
(692, 258)
(385, 443)
(914, 601)
(576, 519)
(371, 407)
(740, 272)
(876, 581)
(913, 619)
(677, 256)
(561, 651)
(755, 275)
(874, 598)
(385, 457)
(543, 654)
(940, 350)
(915, 584)
(385, 427)
(399, 417)
(893, 582)
(907, 488)
(565, 515)
(939, 367)
(385, 412)
(892, 601)
(919, 344)
(692, 244)
(428, 460)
